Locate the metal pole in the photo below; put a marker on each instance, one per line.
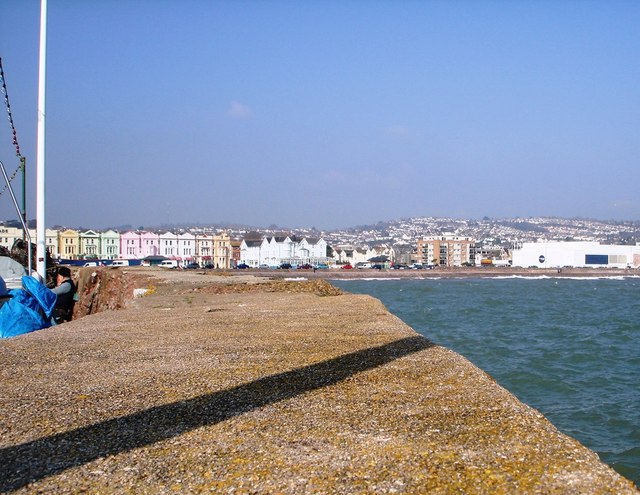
(40, 169)
(24, 225)
(23, 166)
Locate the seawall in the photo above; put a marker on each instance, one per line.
(242, 385)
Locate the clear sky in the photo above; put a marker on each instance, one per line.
(326, 113)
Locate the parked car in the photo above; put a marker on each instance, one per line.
(321, 266)
(399, 266)
(306, 266)
(242, 266)
(346, 267)
(120, 263)
(285, 266)
(168, 264)
(362, 265)
(192, 266)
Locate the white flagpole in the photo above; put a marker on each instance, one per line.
(41, 264)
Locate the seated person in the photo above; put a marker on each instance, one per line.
(65, 290)
(4, 294)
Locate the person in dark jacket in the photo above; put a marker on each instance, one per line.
(66, 291)
(4, 293)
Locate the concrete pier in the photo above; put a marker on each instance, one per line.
(223, 385)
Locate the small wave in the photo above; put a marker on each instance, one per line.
(562, 277)
(497, 277)
(383, 279)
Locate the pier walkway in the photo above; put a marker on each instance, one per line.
(224, 385)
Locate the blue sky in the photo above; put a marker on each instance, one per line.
(327, 113)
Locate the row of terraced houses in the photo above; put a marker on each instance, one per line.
(216, 249)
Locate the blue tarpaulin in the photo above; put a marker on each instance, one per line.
(29, 309)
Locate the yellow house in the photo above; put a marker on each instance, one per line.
(222, 251)
(69, 244)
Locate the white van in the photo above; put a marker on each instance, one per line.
(168, 264)
(120, 263)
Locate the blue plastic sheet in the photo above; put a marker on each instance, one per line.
(28, 310)
(45, 297)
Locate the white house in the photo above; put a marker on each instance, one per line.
(168, 245)
(275, 250)
(343, 255)
(360, 255)
(186, 246)
(353, 256)
(314, 249)
(90, 244)
(378, 251)
(250, 252)
(51, 237)
(9, 235)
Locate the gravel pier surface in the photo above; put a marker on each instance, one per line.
(244, 385)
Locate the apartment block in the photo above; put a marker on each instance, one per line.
(446, 250)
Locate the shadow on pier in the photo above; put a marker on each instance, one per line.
(28, 462)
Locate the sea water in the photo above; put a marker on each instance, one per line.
(567, 347)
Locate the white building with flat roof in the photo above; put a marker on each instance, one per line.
(576, 254)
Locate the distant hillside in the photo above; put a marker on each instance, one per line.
(503, 231)
(406, 231)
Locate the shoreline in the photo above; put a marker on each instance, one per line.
(438, 273)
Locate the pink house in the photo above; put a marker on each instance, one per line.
(139, 245)
(129, 245)
(149, 244)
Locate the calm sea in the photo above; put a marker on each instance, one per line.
(568, 347)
